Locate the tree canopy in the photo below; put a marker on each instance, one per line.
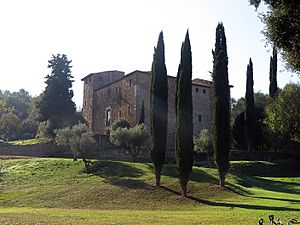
(282, 21)
(56, 103)
(158, 108)
(221, 104)
(283, 114)
(184, 116)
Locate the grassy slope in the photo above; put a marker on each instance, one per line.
(56, 191)
(25, 142)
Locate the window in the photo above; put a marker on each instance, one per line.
(204, 91)
(90, 79)
(199, 118)
(197, 89)
(108, 92)
(84, 102)
(108, 117)
(116, 89)
(130, 83)
(120, 113)
(129, 110)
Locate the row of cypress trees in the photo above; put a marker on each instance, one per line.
(184, 109)
(250, 118)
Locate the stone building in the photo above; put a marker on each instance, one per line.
(112, 95)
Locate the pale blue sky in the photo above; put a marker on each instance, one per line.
(101, 35)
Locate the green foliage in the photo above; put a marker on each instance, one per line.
(203, 144)
(10, 124)
(56, 102)
(249, 109)
(79, 139)
(130, 138)
(273, 89)
(158, 108)
(221, 104)
(121, 124)
(45, 129)
(283, 114)
(261, 137)
(184, 116)
(283, 28)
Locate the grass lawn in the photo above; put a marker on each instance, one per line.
(56, 191)
(25, 142)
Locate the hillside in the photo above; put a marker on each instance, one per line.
(56, 187)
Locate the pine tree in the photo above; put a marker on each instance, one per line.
(249, 115)
(221, 104)
(273, 89)
(184, 116)
(159, 108)
(56, 104)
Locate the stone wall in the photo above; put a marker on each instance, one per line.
(93, 82)
(123, 98)
(36, 150)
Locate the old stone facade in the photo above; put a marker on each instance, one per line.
(111, 95)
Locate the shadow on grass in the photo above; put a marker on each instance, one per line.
(119, 174)
(279, 199)
(199, 175)
(266, 184)
(233, 205)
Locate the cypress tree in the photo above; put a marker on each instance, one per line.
(184, 116)
(142, 114)
(273, 74)
(158, 108)
(221, 104)
(249, 115)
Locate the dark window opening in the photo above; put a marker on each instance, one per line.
(204, 91)
(120, 113)
(130, 83)
(116, 89)
(108, 92)
(199, 118)
(197, 89)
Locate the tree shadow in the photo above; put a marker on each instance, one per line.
(266, 184)
(118, 174)
(199, 175)
(278, 199)
(264, 169)
(232, 205)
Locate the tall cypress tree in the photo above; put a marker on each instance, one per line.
(249, 115)
(142, 114)
(159, 108)
(273, 74)
(184, 116)
(221, 104)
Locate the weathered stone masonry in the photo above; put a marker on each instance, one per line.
(111, 95)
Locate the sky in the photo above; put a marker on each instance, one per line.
(101, 35)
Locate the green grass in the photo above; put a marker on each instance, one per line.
(25, 142)
(57, 191)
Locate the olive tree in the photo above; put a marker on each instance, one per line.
(79, 139)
